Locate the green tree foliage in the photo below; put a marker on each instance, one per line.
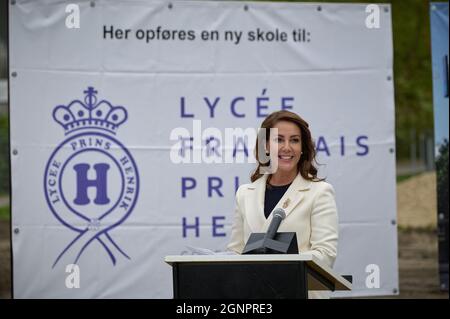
(412, 69)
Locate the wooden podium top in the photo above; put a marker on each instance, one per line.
(340, 283)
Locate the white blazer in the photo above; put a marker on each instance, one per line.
(310, 212)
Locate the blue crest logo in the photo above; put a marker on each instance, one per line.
(91, 181)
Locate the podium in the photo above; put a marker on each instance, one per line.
(276, 276)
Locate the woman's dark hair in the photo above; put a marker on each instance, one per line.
(305, 165)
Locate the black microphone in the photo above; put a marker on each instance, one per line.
(278, 216)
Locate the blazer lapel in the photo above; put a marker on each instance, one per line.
(291, 198)
(294, 194)
(255, 204)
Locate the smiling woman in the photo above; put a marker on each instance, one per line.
(290, 147)
(291, 184)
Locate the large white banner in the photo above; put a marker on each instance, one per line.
(119, 116)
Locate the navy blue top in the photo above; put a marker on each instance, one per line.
(272, 197)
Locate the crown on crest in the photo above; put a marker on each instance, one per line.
(90, 114)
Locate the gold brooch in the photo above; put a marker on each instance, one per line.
(286, 203)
